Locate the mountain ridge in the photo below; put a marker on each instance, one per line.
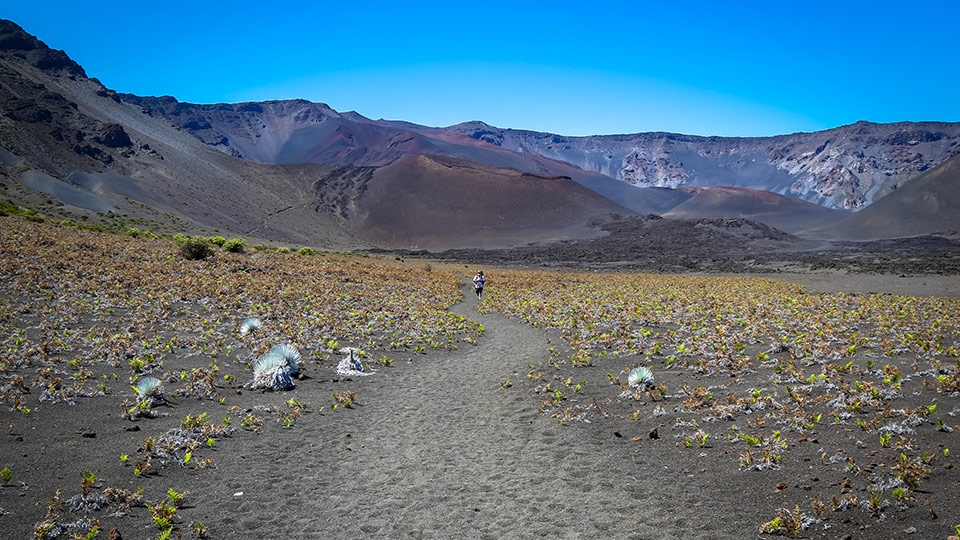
(847, 167)
(299, 171)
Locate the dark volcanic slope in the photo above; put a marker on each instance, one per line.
(65, 136)
(928, 204)
(654, 244)
(437, 203)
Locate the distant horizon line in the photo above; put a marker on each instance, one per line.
(476, 121)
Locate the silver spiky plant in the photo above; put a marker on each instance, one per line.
(290, 354)
(640, 376)
(149, 392)
(149, 387)
(350, 365)
(271, 372)
(249, 325)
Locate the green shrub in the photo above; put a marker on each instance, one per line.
(235, 245)
(261, 247)
(8, 208)
(180, 240)
(196, 248)
(306, 251)
(134, 232)
(218, 240)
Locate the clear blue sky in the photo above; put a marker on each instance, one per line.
(573, 68)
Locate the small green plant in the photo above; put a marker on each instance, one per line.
(702, 437)
(124, 458)
(6, 474)
(87, 481)
(235, 245)
(163, 514)
(43, 529)
(885, 439)
(344, 398)
(190, 422)
(899, 494)
(909, 471)
(199, 529)
(750, 439)
(176, 499)
(196, 248)
(876, 501)
(786, 523)
(306, 251)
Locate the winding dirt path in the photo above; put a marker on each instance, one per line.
(436, 448)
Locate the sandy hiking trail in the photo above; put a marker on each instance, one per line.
(436, 448)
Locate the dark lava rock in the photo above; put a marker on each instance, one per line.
(114, 136)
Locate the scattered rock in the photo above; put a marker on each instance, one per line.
(114, 136)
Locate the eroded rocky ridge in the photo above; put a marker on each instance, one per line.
(847, 167)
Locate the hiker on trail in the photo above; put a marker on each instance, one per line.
(478, 281)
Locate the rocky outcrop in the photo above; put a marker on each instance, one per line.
(847, 167)
(114, 136)
(13, 40)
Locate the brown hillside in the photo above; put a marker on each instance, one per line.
(439, 203)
